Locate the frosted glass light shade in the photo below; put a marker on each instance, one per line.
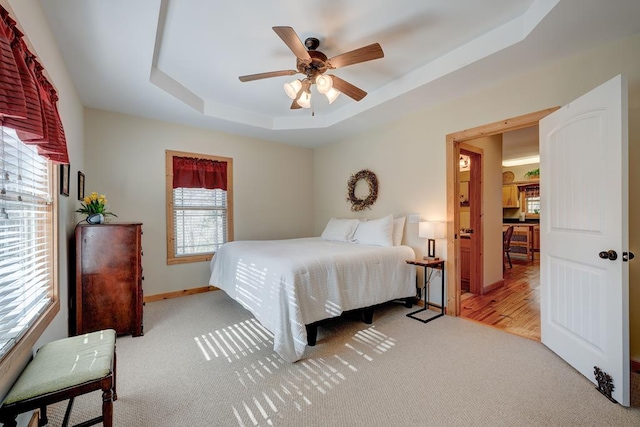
(332, 94)
(305, 100)
(292, 89)
(324, 84)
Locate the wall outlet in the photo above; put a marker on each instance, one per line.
(413, 218)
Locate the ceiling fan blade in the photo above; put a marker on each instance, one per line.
(259, 76)
(348, 89)
(291, 39)
(295, 105)
(366, 53)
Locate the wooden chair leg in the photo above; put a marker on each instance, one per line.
(115, 394)
(107, 407)
(67, 413)
(43, 416)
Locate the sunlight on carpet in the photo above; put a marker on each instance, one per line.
(235, 341)
(284, 386)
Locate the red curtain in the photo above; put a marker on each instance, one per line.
(189, 172)
(28, 101)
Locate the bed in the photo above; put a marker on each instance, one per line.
(290, 284)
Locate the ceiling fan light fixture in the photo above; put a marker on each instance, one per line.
(305, 100)
(324, 84)
(332, 94)
(292, 89)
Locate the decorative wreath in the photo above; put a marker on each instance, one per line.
(371, 179)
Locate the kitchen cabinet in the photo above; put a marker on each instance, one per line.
(510, 196)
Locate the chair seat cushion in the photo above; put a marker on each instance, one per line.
(65, 363)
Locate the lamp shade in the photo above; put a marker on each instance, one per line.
(292, 89)
(432, 230)
(324, 83)
(332, 94)
(439, 230)
(425, 229)
(305, 100)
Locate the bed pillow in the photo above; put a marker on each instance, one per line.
(377, 232)
(340, 229)
(398, 230)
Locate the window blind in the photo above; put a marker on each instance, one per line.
(200, 220)
(25, 238)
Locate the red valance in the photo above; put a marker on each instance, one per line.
(190, 172)
(28, 101)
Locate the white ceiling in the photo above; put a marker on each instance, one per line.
(179, 60)
(520, 144)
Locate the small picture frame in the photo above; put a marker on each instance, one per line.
(80, 186)
(64, 180)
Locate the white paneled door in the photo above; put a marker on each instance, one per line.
(584, 294)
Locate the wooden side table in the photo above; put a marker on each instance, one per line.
(430, 265)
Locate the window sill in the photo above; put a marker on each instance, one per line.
(189, 259)
(14, 362)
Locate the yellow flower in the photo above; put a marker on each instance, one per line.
(94, 204)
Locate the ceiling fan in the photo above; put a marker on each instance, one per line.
(314, 64)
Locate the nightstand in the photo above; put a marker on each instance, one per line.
(430, 266)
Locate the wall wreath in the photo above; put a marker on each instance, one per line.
(371, 179)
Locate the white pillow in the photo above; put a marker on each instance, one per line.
(340, 229)
(377, 232)
(398, 230)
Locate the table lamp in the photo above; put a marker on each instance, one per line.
(431, 230)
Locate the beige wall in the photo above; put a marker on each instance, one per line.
(520, 171)
(273, 190)
(409, 154)
(491, 207)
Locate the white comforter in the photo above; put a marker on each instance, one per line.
(288, 284)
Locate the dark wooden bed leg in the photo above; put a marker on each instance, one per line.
(312, 334)
(368, 315)
(408, 302)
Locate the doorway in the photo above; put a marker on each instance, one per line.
(513, 304)
(469, 215)
(454, 145)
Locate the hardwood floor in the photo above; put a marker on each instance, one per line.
(515, 307)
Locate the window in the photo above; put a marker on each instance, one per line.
(28, 276)
(531, 201)
(199, 205)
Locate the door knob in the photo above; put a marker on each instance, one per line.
(626, 256)
(610, 255)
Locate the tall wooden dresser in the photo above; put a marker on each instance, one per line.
(108, 287)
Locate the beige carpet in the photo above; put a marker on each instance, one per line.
(203, 361)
